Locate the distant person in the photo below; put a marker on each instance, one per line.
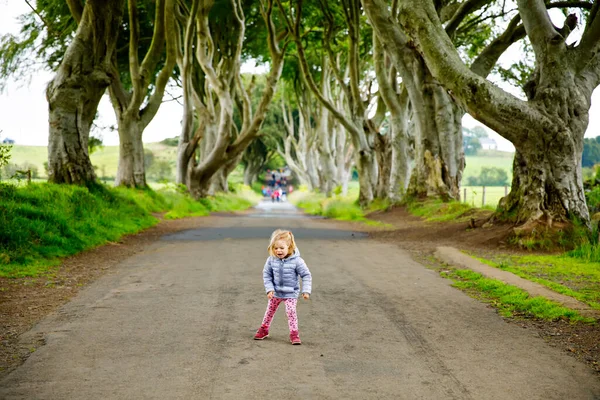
(281, 275)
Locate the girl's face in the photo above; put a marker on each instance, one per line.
(281, 249)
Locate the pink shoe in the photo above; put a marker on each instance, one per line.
(294, 338)
(261, 333)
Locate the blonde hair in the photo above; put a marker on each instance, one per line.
(286, 236)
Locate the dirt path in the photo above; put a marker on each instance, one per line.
(176, 322)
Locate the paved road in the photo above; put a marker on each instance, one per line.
(176, 322)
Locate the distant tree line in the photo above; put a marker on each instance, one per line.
(471, 142)
(591, 152)
(489, 176)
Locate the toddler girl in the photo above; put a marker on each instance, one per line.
(282, 270)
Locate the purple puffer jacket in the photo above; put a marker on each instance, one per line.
(282, 276)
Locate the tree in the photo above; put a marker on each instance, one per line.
(489, 176)
(213, 94)
(396, 99)
(5, 154)
(344, 25)
(299, 138)
(439, 159)
(254, 158)
(94, 144)
(75, 91)
(136, 107)
(547, 130)
(137, 89)
(591, 152)
(479, 132)
(160, 170)
(471, 143)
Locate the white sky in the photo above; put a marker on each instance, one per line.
(24, 110)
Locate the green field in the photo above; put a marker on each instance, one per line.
(493, 194)
(105, 159)
(498, 159)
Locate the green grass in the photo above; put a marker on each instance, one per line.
(498, 159)
(564, 274)
(509, 300)
(343, 208)
(105, 159)
(438, 210)
(474, 195)
(587, 252)
(35, 155)
(41, 223)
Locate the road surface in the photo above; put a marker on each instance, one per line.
(177, 320)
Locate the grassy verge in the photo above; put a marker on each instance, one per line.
(343, 208)
(509, 300)
(574, 273)
(41, 223)
(438, 210)
(563, 273)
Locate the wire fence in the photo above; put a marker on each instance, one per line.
(480, 196)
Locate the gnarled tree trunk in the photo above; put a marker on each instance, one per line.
(548, 130)
(75, 91)
(220, 61)
(439, 160)
(399, 159)
(131, 170)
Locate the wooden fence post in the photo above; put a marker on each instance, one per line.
(505, 190)
(483, 197)
(465, 195)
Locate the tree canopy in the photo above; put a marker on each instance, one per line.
(374, 86)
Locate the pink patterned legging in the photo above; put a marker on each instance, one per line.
(290, 310)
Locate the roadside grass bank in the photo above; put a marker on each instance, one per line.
(436, 210)
(560, 327)
(509, 300)
(40, 223)
(343, 208)
(563, 273)
(574, 273)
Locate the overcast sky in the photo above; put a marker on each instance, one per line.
(24, 110)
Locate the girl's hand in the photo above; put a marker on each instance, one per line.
(306, 296)
(270, 295)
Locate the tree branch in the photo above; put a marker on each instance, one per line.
(538, 25)
(277, 59)
(353, 21)
(590, 40)
(169, 32)
(159, 37)
(331, 58)
(386, 89)
(463, 11)
(75, 6)
(484, 101)
(134, 62)
(308, 79)
(486, 60)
